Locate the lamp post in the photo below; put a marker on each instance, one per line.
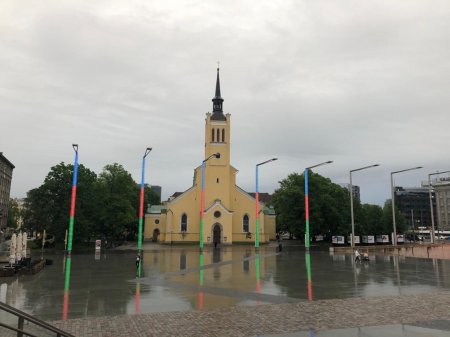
(431, 203)
(394, 227)
(351, 199)
(307, 201)
(202, 198)
(141, 208)
(74, 197)
(257, 201)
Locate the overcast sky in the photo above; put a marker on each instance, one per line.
(357, 82)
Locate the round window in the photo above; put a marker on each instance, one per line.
(157, 221)
(217, 214)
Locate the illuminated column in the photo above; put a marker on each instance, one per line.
(202, 198)
(307, 201)
(141, 210)
(74, 197)
(257, 201)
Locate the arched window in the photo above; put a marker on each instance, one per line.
(245, 223)
(218, 135)
(212, 133)
(184, 222)
(223, 135)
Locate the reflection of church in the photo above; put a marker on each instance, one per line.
(229, 210)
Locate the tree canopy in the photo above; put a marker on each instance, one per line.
(329, 209)
(106, 206)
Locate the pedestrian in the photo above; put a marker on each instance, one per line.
(138, 261)
(280, 245)
(357, 256)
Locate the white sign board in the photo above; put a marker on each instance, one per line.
(385, 238)
(319, 237)
(357, 240)
(400, 238)
(369, 239)
(98, 244)
(338, 240)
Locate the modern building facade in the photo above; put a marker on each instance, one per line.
(441, 187)
(6, 171)
(355, 191)
(414, 204)
(229, 214)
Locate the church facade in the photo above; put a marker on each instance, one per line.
(229, 211)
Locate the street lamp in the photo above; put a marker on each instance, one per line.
(74, 197)
(351, 199)
(431, 203)
(257, 201)
(202, 198)
(141, 207)
(394, 227)
(307, 201)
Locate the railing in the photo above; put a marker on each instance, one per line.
(22, 319)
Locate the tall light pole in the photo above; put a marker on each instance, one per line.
(141, 208)
(202, 198)
(307, 201)
(351, 199)
(74, 197)
(257, 201)
(394, 227)
(431, 203)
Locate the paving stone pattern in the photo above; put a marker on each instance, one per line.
(270, 318)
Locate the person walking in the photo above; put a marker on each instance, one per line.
(357, 256)
(138, 261)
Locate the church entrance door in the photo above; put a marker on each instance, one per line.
(216, 234)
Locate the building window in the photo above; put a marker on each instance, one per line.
(218, 135)
(223, 135)
(157, 221)
(212, 135)
(217, 214)
(245, 222)
(184, 222)
(217, 181)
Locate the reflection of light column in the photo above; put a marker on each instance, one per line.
(307, 201)
(202, 198)
(257, 202)
(394, 227)
(431, 204)
(257, 274)
(66, 288)
(137, 302)
(74, 197)
(351, 200)
(200, 293)
(141, 210)
(308, 274)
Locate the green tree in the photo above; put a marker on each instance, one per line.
(47, 207)
(373, 220)
(329, 206)
(13, 214)
(400, 220)
(117, 204)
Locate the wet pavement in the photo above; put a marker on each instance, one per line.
(175, 279)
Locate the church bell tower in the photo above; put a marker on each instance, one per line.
(217, 130)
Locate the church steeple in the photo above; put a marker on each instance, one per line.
(217, 114)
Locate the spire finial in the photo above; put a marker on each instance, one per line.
(218, 100)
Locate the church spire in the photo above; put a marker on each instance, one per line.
(218, 102)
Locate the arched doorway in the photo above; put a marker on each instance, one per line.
(155, 235)
(217, 234)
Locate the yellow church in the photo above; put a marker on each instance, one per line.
(229, 211)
